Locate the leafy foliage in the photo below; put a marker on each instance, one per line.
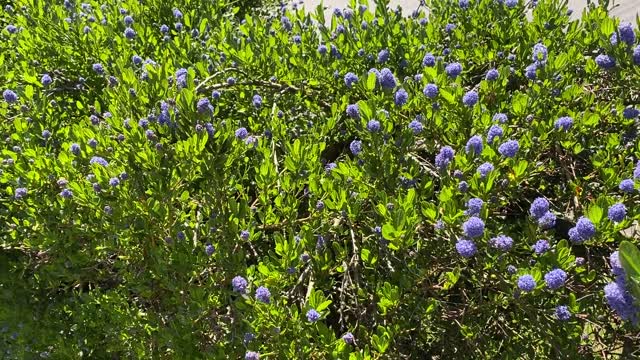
(173, 163)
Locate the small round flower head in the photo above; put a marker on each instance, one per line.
(373, 126)
(485, 169)
(564, 123)
(449, 28)
(383, 56)
(509, 148)
(401, 97)
(474, 206)
(244, 234)
(356, 147)
(541, 247)
(539, 207)
(586, 229)
(257, 101)
(263, 295)
(46, 134)
(627, 34)
(98, 69)
(313, 315)
(209, 249)
(353, 110)
(464, 4)
(387, 80)
(636, 171)
(415, 126)
(430, 91)
(580, 261)
(239, 284)
(470, 98)
(501, 118)
(463, 186)
(114, 181)
(46, 80)
(555, 279)
(322, 49)
(66, 193)
(605, 61)
(501, 242)
(616, 265)
(164, 29)
(98, 160)
(530, 71)
(492, 75)
(627, 186)
(562, 313)
(526, 283)
(474, 145)
(453, 69)
(444, 157)
(429, 60)
(636, 55)
(128, 20)
(348, 338)
(630, 113)
(204, 106)
(494, 132)
(242, 133)
(474, 227)
(19, 193)
(621, 301)
(511, 269)
(511, 3)
(10, 96)
(75, 149)
(547, 221)
(617, 212)
(350, 79)
(251, 355)
(540, 54)
(466, 248)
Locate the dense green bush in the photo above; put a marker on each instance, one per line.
(218, 188)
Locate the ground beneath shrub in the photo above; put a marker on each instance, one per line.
(626, 10)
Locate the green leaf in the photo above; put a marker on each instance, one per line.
(595, 213)
(371, 81)
(630, 259)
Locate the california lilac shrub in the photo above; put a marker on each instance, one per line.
(222, 180)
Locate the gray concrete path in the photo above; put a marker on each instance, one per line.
(626, 10)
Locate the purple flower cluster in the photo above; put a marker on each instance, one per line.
(509, 148)
(263, 295)
(474, 145)
(501, 242)
(564, 123)
(444, 157)
(541, 247)
(584, 230)
(474, 206)
(474, 227)
(466, 248)
(555, 279)
(617, 294)
(526, 283)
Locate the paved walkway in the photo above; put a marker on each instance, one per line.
(627, 10)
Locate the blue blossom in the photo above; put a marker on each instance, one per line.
(66, 193)
(474, 206)
(322, 49)
(350, 79)
(241, 133)
(449, 28)
(501, 242)
(474, 227)
(617, 212)
(627, 186)
(565, 123)
(541, 247)
(562, 313)
(485, 169)
(263, 295)
(75, 149)
(128, 20)
(584, 230)
(494, 131)
(177, 13)
(383, 56)
(630, 113)
(501, 118)
(636, 55)
(129, 33)
(616, 264)
(313, 315)
(511, 269)
(530, 71)
(429, 60)
(364, 25)
(257, 101)
(453, 69)
(46, 80)
(463, 186)
(286, 23)
(474, 145)
(99, 161)
(464, 4)
(415, 126)
(10, 96)
(353, 110)
(244, 235)
(444, 157)
(466, 248)
(348, 338)
(605, 61)
(46, 134)
(239, 284)
(19, 193)
(230, 80)
(526, 283)
(540, 54)
(627, 34)
(509, 148)
(636, 171)
(401, 97)
(252, 355)
(356, 147)
(137, 60)
(492, 75)
(114, 181)
(204, 106)
(470, 98)
(335, 52)
(621, 301)
(511, 3)
(539, 207)
(373, 126)
(387, 80)
(430, 91)
(164, 29)
(555, 279)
